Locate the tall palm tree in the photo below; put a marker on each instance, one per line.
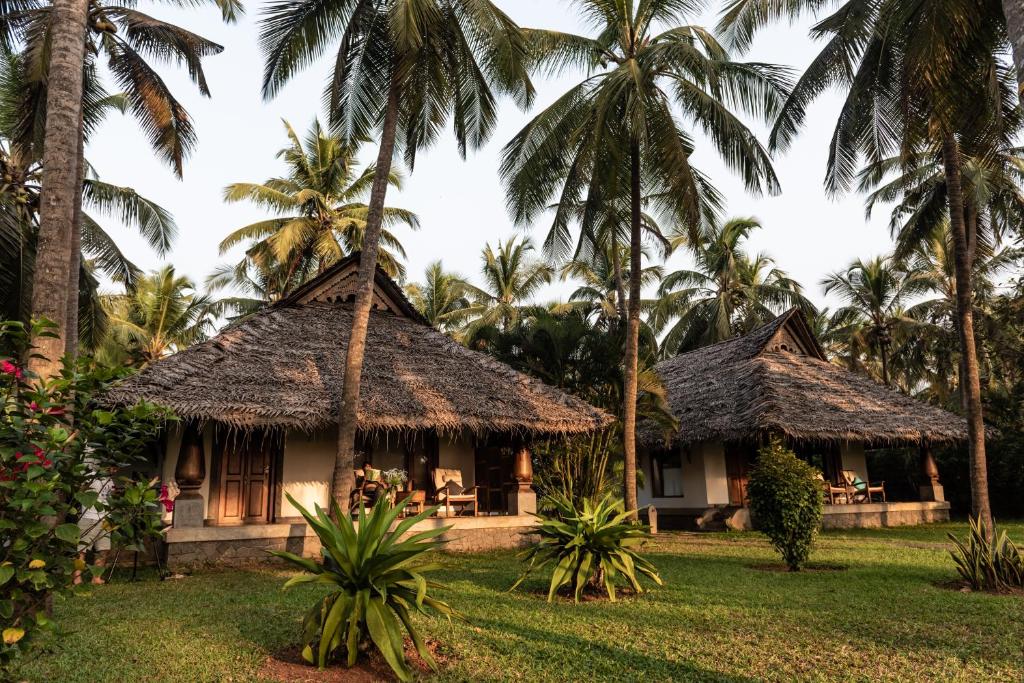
(1014, 11)
(321, 215)
(727, 293)
(618, 136)
(54, 38)
(444, 298)
(935, 264)
(600, 278)
(876, 294)
(164, 313)
(403, 68)
(511, 279)
(20, 200)
(920, 77)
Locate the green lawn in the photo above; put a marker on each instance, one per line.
(716, 618)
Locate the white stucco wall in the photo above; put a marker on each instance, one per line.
(703, 479)
(458, 452)
(308, 467)
(853, 458)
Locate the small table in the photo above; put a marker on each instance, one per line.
(417, 501)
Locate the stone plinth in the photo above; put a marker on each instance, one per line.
(522, 502)
(189, 511)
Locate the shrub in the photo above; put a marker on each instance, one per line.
(988, 562)
(785, 502)
(54, 444)
(375, 582)
(594, 546)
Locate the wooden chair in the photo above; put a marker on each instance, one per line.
(417, 501)
(448, 489)
(365, 492)
(863, 490)
(834, 495)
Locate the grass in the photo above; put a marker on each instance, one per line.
(715, 619)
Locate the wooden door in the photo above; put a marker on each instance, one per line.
(737, 466)
(246, 477)
(493, 467)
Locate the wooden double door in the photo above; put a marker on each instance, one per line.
(738, 459)
(248, 468)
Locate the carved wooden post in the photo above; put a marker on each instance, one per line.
(930, 489)
(189, 472)
(522, 500)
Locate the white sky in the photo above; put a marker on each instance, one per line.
(460, 203)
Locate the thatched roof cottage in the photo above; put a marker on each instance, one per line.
(259, 402)
(732, 396)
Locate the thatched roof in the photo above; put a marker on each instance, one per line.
(777, 380)
(283, 367)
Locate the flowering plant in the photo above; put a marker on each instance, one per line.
(394, 477)
(55, 445)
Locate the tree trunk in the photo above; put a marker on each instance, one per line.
(884, 352)
(1014, 11)
(620, 290)
(342, 481)
(632, 336)
(75, 264)
(970, 383)
(60, 178)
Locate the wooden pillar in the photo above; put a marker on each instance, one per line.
(190, 472)
(930, 489)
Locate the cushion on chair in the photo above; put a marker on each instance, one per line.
(443, 476)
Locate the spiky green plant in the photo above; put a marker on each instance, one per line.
(595, 546)
(988, 562)
(376, 579)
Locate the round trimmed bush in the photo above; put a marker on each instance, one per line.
(785, 502)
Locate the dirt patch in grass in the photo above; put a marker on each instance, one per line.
(961, 586)
(589, 594)
(809, 568)
(289, 666)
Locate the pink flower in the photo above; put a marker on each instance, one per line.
(166, 499)
(9, 368)
(33, 406)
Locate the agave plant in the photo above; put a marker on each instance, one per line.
(376, 583)
(594, 547)
(988, 562)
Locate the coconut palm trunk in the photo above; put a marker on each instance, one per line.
(1014, 11)
(970, 383)
(60, 187)
(75, 263)
(620, 290)
(632, 336)
(342, 482)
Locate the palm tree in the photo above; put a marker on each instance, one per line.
(920, 77)
(511, 279)
(405, 68)
(20, 199)
(321, 215)
(935, 264)
(58, 71)
(727, 293)
(444, 298)
(161, 315)
(618, 137)
(600, 290)
(876, 294)
(1014, 11)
